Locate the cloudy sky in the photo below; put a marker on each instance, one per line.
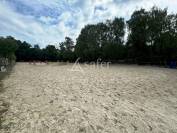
(49, 21)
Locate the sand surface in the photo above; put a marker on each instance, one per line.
(119, 99)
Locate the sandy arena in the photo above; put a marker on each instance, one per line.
(119, 99)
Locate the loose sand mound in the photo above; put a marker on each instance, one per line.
(121, 99)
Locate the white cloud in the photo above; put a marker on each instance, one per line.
(49, 21)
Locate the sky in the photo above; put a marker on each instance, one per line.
(47, 22)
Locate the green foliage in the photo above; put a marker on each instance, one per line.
(152, 38)
(23, 51)
(8, 46)
(50, 53)
(103, 40)
(67, 50)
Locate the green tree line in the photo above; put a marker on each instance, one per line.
(8, 46)
(152, 39)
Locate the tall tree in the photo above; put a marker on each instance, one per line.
(8, 46)
(113, 47)
(102, 40)
(67, 50)
(138, 35)
(87, 46)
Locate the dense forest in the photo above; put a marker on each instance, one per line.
(152, 39)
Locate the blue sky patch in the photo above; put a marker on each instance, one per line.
(48, 21)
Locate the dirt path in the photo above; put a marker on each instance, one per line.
(121, 99)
